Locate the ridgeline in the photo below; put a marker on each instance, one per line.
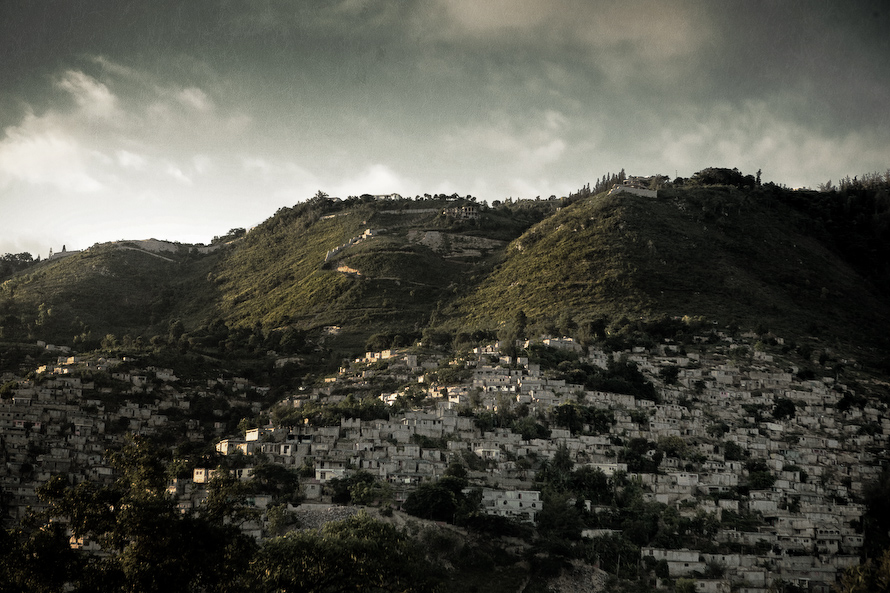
(335, 273)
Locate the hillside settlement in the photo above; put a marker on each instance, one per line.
(779, 489)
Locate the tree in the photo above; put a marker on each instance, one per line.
(371, 493)
(12, 263)
(592, 484)
(356, 554)
(343, 488)
(876, 520)
(761, 480)
(443, 500)
(378, 342)
(513, 331)
(615, 554)
(148, 544)
(529, 428)
(566, 324)
(36, 560)
(176, 330)
(520, 322)
(109, 342)
(873, 576)
(669, 374)
(568, 416)
(559, 518)
(557, 473)
(673, 446)
(320, 197)
(732, 451)
(431, 501)
(722, 176)
(784, 409)
(278, 520)
(282, 483)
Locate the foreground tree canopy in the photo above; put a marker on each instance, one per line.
(148, 545)
(357, 554)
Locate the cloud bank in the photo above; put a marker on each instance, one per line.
(182, 120)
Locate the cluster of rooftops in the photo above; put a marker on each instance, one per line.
(820, 456)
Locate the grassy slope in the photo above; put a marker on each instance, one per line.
(277, 275)
(748, 260)
(107, 290)
(719, 253)
(723, 254)
(566, 262)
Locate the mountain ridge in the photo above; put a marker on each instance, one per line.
(740, 256)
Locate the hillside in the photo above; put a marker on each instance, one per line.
(339, 272)
(321, 362)
(364, 267)
(116, 289)
(735, 257)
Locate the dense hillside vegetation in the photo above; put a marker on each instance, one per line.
(739, 257)
(109, 289)
(718, 246)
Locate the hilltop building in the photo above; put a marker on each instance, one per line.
(463, 211)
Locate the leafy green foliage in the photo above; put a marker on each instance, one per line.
(869, 577)
(636, 455)
(717, 246)
(744, 256)
(150, 545)
(853, 220)
(39, 560)
(323, 414)
(443, 500)
(759, 475)
(356, 554)
(783, 409)
(388, 282)
(740, 521)
(450, 375)
(575, 417)
(722, 176)
(360, 488)
(560, 518)
(108, 289)
(732, 451)
(876, 520)
(282, 483)
(620, 376)
(669, 374)
(10, 263)
(529, 428)
(615, 555)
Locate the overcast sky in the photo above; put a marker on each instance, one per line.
(180, 120)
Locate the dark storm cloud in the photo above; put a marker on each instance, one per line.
(199, 109)
(831, 57)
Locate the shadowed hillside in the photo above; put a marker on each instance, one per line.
(109, 289)
(338, 272)
(734, 256)
(366, 267)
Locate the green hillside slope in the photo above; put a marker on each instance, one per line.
(766, 258)
(109, 289)
(728, 255)
(365, 267)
